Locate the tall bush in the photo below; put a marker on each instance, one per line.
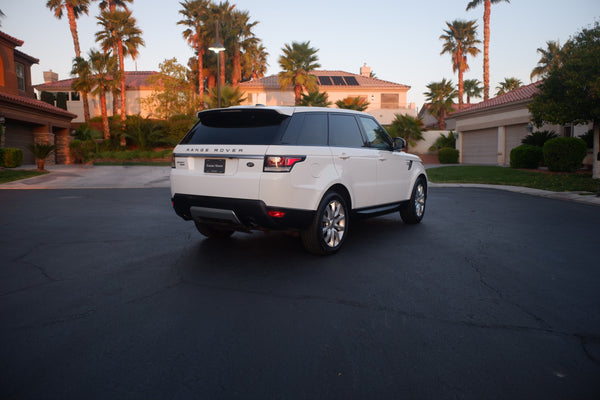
(11, 158)
(526, 156)
(448, 156)
(564, 154)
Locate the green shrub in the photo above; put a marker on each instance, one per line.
(448, 156)
(11, 158)
(564, 154)
(538, 138)
(526, 156)
(83, 150)
(444, 141)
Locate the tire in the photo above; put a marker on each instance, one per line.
(212, 231)
(413, 211)
(329, 228)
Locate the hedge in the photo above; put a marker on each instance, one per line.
(448, 155)
(11, 158)
(564, 154)
(526, 156)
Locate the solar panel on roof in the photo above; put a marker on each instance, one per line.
(351, 81)
(325, 80)
(339, 80)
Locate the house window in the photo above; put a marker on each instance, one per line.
(390, 100)
(75, 96)
(20, 69)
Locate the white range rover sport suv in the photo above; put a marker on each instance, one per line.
(305, 169)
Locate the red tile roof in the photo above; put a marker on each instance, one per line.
(522, 94)
(11, 39)
(133, 80)
(34, 104)
(32, 60)
(271, 81)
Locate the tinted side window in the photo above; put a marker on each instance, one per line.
(344, 131)
(306, 129)
(377, 137)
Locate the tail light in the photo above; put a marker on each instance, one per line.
(281, 163)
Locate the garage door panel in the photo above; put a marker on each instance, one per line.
(480, 147)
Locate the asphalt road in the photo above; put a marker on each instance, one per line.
(106, 294)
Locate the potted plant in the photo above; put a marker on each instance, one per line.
(41, 151)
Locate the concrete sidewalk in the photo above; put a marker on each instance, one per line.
(106, 177)
(95, 177)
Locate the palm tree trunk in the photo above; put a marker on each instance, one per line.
(222, 56)
(86, 107)
(236, 75)
(460, 88)
(75, 35)
(105, 127)
(200, 71)
(123, 93)
(297, 94)
(486, 49)
(73, 27)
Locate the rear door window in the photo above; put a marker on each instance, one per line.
(344, 131)
(306, 129)
(251, 127)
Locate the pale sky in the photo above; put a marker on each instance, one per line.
(398, 39)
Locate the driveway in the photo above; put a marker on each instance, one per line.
(105, 293)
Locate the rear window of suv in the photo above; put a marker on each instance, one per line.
(252, 127)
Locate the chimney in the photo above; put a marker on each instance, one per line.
(50, 76)
(365, 71)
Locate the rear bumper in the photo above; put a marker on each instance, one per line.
(239, 214)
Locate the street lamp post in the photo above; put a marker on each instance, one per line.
(218, 47)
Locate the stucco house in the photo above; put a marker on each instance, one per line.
(25, 119)
(385, 98)
(136, 87)
(489, 130)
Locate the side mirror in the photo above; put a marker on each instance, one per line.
(399, 144)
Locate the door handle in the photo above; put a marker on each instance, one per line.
(344, 156)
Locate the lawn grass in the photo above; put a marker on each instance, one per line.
(9, 175)
(537, 179)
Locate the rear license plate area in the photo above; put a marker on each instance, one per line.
(214, 166)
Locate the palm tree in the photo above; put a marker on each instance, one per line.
(315, 99)
(74, 8)
(120, 30)
(195, 18)
(441, 100)
(353, 103)
(82, 82)
(111, 5)
(460, 41)
(407, 127)
(241, 37)
(40, 152)
(254, 61)
(297, 62)
(487, 9)
(550, 57)
(230, 96)
(472, 88)
(508, 85)
(105, 76)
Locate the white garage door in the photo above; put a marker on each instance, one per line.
(480, 147)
